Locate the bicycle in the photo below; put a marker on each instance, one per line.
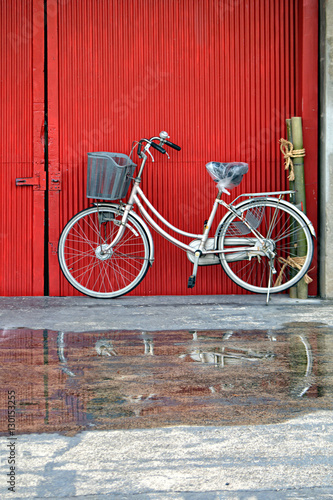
(263, 243)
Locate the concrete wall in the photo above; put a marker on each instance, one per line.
(326, 149)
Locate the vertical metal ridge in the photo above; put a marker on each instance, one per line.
(218, 76)
(17, 152)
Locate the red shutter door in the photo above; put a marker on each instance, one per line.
(21, 147)
(219, 76)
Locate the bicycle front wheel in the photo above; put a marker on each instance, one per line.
(92, 270)
(285, 245)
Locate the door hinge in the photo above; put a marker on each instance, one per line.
(38, 182)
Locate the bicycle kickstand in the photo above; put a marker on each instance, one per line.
(272, 271)
(191, 280)
(269, 287)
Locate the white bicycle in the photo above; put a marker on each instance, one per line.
(263, 243)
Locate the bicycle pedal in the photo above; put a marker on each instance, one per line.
(191, 282)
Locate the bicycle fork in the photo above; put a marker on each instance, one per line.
(106, 249)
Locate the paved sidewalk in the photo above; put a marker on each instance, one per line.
(162, 313)
(252, 462)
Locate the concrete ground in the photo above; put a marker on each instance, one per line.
(207, 312)
(291, 459)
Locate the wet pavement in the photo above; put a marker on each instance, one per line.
(68, 382)
(146, 412)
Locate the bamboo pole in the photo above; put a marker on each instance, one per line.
(297, 135)
(293, 289)
(299, 185)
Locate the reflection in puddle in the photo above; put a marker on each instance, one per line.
(67, 382)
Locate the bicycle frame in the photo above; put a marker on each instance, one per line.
(137, 193)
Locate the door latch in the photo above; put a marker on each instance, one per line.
(38, 182)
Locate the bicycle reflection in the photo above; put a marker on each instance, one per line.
(219, 356)
(130, 379)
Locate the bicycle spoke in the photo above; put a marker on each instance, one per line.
(282, 230)
(103, 274)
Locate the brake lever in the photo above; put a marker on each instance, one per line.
(161, 143)
(148, 151)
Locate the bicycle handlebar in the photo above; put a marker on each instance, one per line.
(163, 140)
(149, 144)
(158, 147)
(172, 145)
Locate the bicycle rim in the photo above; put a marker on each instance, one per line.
(85, 264)
(283, 231)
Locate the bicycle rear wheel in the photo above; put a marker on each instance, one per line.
(90, 269)
(285, 235)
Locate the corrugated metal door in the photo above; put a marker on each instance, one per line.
(219, 76)
(21, 147)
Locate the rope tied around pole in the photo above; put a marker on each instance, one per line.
(288, 151)
(295, 262)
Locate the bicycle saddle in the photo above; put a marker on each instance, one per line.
(227, 175)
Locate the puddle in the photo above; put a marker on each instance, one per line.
(67, 382)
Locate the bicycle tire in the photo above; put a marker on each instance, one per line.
(289, 236)
(81, 258)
